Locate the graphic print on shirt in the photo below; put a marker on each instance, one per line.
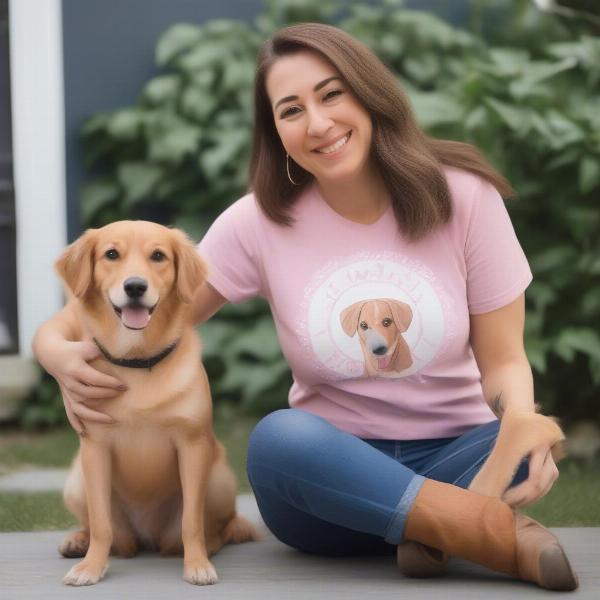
(379, 324)
(374, 315)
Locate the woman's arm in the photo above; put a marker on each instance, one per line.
(206, 303)
(59, 348)
(497, 341)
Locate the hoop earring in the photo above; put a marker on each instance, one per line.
(287, 166)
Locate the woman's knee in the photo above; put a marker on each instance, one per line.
(284, 434)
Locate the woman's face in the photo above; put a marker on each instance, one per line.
(321, 124)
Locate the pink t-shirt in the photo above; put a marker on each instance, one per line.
(376, 328)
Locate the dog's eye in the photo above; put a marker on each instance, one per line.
(363, 325)
(158, 256)
(386, 322)
(111, 254)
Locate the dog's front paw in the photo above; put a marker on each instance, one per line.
(200, 573)
(84, 573)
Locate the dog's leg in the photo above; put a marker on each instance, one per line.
(96, 463)
(520, 433)
(195, 456)
(76, 543)
(124, 541)
(223, 524)
(170, 543)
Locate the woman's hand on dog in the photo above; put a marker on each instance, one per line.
(542, 475)
(80, 383)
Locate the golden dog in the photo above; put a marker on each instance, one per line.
(157, 478)
(380, 324)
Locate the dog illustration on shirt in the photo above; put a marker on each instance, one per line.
(380, 324)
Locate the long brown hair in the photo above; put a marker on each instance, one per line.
(409, 160)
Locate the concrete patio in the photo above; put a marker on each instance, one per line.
(31, 568)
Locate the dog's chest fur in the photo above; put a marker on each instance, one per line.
(144, 463)
(172, 398)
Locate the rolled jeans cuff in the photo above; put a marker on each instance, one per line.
(395, 530)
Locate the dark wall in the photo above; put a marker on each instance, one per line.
(109, 56)
(8, 252)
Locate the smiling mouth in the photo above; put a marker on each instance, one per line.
(336, 146)
(134, 316)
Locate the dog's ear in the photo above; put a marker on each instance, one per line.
(349, 318)
(75, 266)
(401, 312)
(191, 270)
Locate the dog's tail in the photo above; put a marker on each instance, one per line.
(240, 530)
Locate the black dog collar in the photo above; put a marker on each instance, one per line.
(136, 363)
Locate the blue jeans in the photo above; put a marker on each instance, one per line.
(325, 491)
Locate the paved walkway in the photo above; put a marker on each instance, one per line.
(31, 568)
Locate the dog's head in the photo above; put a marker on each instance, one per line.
(132, 267)
(378, 323)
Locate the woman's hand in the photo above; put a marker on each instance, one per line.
(542, 475)
(80, 383)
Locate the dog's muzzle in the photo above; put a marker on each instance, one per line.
(135, 314)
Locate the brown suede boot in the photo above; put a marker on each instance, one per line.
(486, 531)
(519, 433)
(418, 560)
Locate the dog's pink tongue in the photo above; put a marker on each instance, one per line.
(382, 363)
(136, 318)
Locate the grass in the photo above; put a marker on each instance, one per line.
(570, 503)
(34, 512)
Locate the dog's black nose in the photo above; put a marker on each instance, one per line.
(380, 350)
(135, 287)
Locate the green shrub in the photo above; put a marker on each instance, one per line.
(530, 101)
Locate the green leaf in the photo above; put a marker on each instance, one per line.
(509, 61)
(552, 258)
(96, 195)
(175, 40)
(590, 302)
(138, 180)
(125, 124)
(581, 339)
(589, 174)
(541, 294)
(173, 146)
(203, 56)
(435, 109)
(537, 71)
(162, 89)
(229, 144)
(423, 68)
(251, 379)
(564, 128)
(216, 335)
(519, 120)
(536, 353)
(238, 74)
(196, 227)
(583, 223)
(95, 124)
(198, 104)
(563, 159)
(259, 341)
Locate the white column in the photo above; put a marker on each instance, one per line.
(36, 64)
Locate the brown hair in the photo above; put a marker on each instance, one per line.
(408, 159)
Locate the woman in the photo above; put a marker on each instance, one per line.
(397, 287)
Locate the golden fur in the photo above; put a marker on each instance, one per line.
(157, 478)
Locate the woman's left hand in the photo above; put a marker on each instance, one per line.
(542, 475)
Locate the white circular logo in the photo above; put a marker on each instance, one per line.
(375, 318)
